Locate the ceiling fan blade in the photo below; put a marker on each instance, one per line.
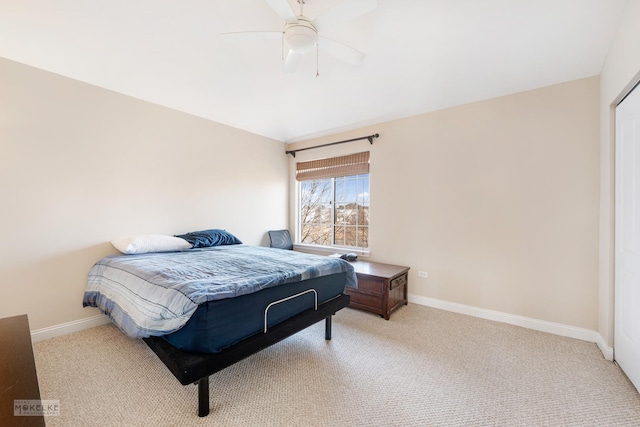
(341, 51)
(252, 35)
(344, 11)
(284, 10)
(291, 62)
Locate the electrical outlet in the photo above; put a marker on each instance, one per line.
(423, 274)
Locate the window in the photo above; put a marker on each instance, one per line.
(333, 204)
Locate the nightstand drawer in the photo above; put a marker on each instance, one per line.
(398, 281)
(369, 284)
(365, 301)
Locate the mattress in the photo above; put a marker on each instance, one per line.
(218, 324)
(155, 294)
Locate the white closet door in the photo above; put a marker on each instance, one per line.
(627, 237)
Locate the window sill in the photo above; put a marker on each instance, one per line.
(328, 250)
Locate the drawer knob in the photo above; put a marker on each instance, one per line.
(400, 281)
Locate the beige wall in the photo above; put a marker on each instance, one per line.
(621, 70)
(80, 166)
(496, 200)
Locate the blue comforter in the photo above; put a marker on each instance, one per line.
(156, 293)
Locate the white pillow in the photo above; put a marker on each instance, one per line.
(150, 243)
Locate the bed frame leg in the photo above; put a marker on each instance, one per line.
(203, 397)
(327, 328)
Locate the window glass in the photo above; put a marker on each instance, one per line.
(335, 211)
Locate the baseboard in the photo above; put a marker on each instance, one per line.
(68, 328)
(525, 322)
(607, 351)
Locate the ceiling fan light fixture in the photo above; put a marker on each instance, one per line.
(301, 37)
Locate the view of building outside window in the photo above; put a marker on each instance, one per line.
(335, 211)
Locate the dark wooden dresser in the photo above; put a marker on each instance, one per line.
(18, 378)
(382, 288)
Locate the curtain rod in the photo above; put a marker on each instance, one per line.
(370, 138)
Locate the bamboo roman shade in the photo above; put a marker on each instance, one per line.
(353, 164)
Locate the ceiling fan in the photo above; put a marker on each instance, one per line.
(301, 34)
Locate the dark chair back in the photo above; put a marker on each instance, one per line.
(280, 239)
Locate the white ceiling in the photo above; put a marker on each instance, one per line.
(422, 55)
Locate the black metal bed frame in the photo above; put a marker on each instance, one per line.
(195, 368)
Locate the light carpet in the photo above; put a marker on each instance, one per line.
(423, 367)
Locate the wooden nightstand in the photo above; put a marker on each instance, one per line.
(18, 377)
(382, 288)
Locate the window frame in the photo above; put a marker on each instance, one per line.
(333, 247)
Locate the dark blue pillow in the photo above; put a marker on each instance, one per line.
(208, 238)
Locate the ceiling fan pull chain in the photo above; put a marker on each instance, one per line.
(317, 62)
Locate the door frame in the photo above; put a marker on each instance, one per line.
(634, 85)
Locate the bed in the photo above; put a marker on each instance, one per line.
(204, 308)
